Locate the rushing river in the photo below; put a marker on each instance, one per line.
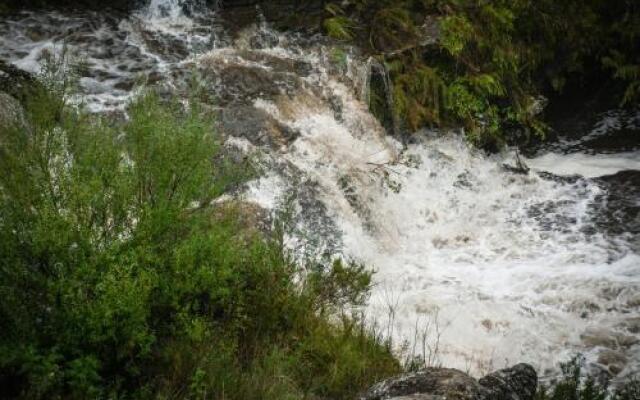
(477, 267)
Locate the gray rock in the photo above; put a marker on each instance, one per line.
(614, 360)
(632, 325)
(516, 383)
(598, 337)
(246, 83)
(15, 82)
(264, 39)
(11, 112)
(282, 14)
(255, 125)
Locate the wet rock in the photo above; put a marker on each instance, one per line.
(598, 337)
(15, 82)
(626, 341)
(618, 213)
(170, 47)
(263, 39)
(279, 64)
(432, 383)
(154, 77)
(36, 33)
(282, 14)
(614, 360)
(337, 107)
(11, 112)
(125, 85)
(255, 125)
(516, 383)
(245, 83)
(632, 325)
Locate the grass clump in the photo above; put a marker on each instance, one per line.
(121, 278)
(574, 385)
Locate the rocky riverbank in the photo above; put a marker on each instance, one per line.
(516, 383)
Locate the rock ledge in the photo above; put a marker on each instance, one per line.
(516, 383)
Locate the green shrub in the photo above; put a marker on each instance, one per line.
(492, 59)
(119, 278)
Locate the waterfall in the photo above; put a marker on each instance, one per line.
(476, 267)
(169, 9)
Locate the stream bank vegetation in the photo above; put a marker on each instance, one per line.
(484, 65)
(120, 276)
(574, 384)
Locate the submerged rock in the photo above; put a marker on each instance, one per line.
(515, 383)
(615, 361)
(246, 83)
(255, 125)
(263, 39)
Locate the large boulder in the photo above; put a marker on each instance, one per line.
(515, 383)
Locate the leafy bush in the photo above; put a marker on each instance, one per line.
(120, 278)
(492, 59)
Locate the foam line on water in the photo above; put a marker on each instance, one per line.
(586, 165)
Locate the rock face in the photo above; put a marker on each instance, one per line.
(291, 14)
(11, 112)
(255, 125)
(284, 14)
(515, 383)
(14, 81)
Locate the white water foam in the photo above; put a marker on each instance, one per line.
(491, 267)
(586, 165)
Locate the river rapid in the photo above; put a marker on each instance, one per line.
(476, 267)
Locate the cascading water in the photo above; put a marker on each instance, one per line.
(477, 267)
(165, 9)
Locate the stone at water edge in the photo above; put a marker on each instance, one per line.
(16, 82)
(516, 383)
(11, 111)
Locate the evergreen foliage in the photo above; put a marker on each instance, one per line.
(493, 59)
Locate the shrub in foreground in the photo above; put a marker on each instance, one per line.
(118, 279)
